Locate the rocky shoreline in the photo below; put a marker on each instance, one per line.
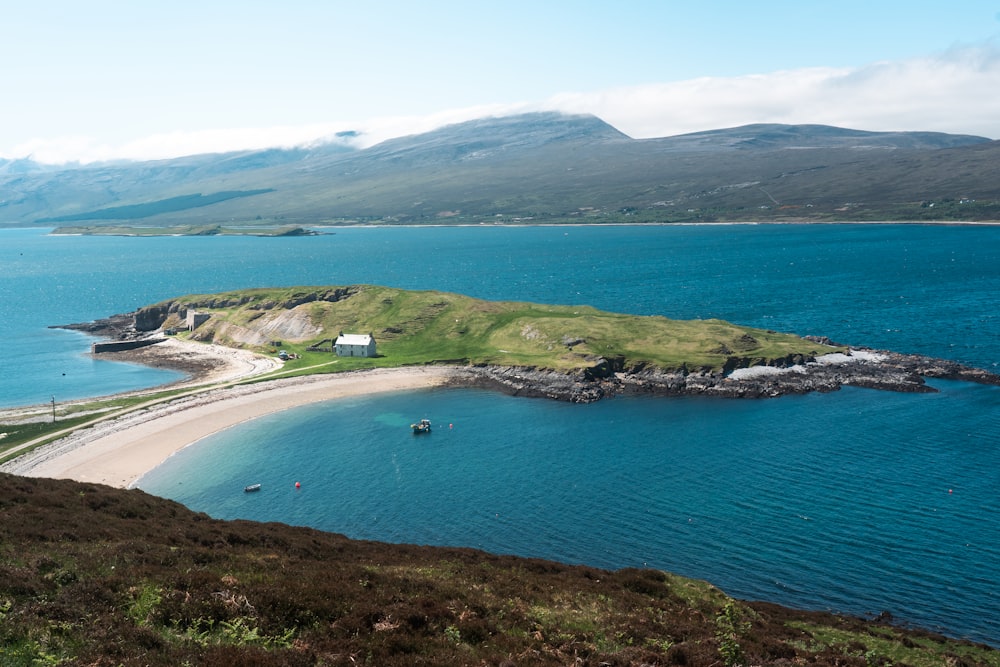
(859, 367)
(872, 369)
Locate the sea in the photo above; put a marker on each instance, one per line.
(856, 501)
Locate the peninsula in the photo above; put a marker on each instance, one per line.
(253, 352)
(574, 353)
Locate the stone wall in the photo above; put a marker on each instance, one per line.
(123, 345)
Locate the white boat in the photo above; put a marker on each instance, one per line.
(422, 426)
(251, 487)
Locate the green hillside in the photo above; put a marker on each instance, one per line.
(420, 327)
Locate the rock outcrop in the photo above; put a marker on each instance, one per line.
(873, 369)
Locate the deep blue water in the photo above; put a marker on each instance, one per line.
(857, 501)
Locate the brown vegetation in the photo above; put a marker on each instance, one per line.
(95, 576)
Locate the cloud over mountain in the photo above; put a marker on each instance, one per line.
(950, 92)
(953, 92)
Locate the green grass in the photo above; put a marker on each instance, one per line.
(18, 434)
(422, 327)
(892, 646)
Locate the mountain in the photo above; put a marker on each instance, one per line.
(772, 136)
(539, 166)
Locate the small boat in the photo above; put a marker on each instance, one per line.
(251, 488)
(422, 426)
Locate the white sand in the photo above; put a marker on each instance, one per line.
(229, 365)
(119, 451)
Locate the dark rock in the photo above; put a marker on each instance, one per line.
(888, 371)
(116, 327)
(151, 318)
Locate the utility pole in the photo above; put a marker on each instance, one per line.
(53, 409)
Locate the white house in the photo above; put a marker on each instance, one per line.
(355, 345)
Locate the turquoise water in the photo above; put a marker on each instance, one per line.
(833, 501)
(857, 501)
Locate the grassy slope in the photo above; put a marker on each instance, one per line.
(103, 577)
(417, 327)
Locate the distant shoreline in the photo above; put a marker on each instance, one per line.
(182, 230)
(725, 223)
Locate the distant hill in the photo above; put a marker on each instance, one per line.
(539, 167)
(772, 136)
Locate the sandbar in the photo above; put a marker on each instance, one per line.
(118, 451)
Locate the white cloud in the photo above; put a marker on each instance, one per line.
(376, 130)
(951, 92)
(61, 150)
(58, 150)
(954, 92)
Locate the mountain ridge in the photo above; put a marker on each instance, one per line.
(543, 166)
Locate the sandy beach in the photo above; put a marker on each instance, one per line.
(119, 451)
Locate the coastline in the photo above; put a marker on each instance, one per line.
(201, 364)
(117, 452)
(943, 223)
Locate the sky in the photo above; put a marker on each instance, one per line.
(150, 79)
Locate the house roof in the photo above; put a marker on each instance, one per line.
(354, 339)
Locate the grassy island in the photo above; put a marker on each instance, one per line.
(421, 327)
(412, 329)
